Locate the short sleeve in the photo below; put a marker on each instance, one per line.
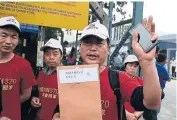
(140, 81)
(127, 86)
(27, 76)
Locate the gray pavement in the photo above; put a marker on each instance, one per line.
(168, 106)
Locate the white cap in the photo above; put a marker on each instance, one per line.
(95, 29)
(131, 58)
(52, 43)
(10, 20)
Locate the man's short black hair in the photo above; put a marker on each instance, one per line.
(45, 50)
(161, 57)
(98, 38)
(10, 27)
(137, 63)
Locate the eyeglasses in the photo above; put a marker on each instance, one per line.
(4, 36)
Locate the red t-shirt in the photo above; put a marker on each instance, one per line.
(109, 107)
(127, 105)
(15, 76)
(48, 94)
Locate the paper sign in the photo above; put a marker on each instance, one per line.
(79, 92)
(78, 75)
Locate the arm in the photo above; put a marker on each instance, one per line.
(35, 101)
(25, 94)
(138, 113)
(130, 116)
(26, 83)
(128, 106)
(4, 118)
(151, 88)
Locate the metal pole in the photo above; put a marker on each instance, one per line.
(137, 12)
(137, 18)
(42, 33)
(111, 4)
(39, 59)
(76, 45)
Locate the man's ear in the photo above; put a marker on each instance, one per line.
(18, 42)
(80, 42)
(108, 49)
(108, 52)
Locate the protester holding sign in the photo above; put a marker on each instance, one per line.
(94, 49)
(47, 99)
(15, 72)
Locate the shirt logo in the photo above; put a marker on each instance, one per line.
(8, 84)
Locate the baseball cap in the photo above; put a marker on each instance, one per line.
(131, 58)
(10, 20)
(52, 43)
(95, 29)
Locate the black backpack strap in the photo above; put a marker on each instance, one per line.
(57, 110)
(115, 85)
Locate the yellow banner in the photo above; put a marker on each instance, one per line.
(70, 15)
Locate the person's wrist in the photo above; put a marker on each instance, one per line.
(144, 62)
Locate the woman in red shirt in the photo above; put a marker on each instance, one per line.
(131, 65)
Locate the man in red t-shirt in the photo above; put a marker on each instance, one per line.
(94, 48)
(131, 65)
(15, 72)
(47, 100)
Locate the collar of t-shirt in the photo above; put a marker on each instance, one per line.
(46, 71)
(159, 64)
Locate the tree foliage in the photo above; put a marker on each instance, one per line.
(118, 6)
(51, 32)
